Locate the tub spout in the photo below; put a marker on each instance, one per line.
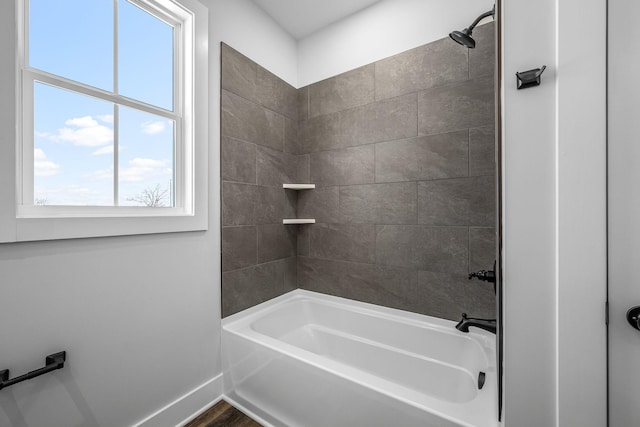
(486, 324)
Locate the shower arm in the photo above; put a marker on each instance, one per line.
(480, 18)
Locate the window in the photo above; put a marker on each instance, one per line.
(112, 126)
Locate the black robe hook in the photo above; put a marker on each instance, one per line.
(529, 78)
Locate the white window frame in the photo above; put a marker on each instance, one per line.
(190, 114)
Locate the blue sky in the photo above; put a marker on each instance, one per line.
(74, 133)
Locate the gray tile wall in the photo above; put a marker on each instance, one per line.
(402, 155)
(259, 145)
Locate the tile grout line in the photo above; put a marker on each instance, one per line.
(417, 115)
(469, 153)
(469, 249)
(254, 103)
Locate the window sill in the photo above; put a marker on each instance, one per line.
(97, 212)
(35, 229)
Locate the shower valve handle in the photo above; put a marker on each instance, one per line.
(484, 275)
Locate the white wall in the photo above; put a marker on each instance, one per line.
(529, 216)
(582, 213)
(249, 30)
(554, 214)
(139, 316)
(382, 30)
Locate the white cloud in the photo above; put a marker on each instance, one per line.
(153, 128)
(73, 194)
(82, 122)
(42, 134)
(38, 154)
(43, 166)
(138, 169)
(108, 149)
(77, 190)
(147, 163)
(82, 131)
(102, 174)
(106, 118)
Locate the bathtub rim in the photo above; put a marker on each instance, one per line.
(245, 317)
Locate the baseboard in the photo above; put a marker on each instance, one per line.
(247, 411)
(186, 407)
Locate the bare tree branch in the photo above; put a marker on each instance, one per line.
(151, 197)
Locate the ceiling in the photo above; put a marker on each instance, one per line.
(303, 17)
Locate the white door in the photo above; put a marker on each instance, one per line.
(624, 211)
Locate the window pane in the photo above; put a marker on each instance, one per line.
(73, 148)
(145, 56)
(73, 39)
(146, 159)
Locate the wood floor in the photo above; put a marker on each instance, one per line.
(222, 415)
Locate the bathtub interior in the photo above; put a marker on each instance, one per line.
(430, 359)
(415, 362)
(297, 320)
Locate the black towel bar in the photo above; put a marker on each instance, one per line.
(52, 362)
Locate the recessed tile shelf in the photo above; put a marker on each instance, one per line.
(298, 221)
(299, 186)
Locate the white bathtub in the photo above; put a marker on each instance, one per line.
(306, 359)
